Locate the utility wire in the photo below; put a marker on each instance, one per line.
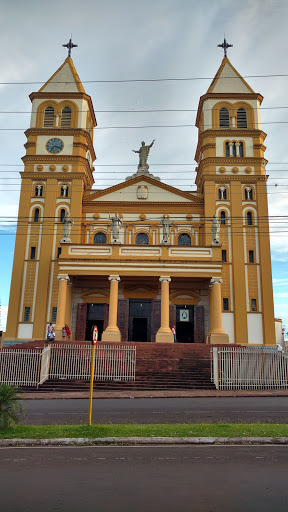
(136, 80)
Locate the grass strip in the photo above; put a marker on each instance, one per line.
(131, 430)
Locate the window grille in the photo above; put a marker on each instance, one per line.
(27, 314)
(225, 304)
(224, 121)
(184, 239)
(100, 238)
(142, 239)
(66, 117)
(36, 214)
(48, 117)
(241, 118)
(54, 315)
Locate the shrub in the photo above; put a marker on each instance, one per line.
(9, 405)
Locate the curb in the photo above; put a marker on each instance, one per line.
(142, 441)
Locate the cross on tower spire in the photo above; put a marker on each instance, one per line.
(225, 45)
(70, 45)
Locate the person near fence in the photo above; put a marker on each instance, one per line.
(68, 332)
(174, 333)
(50, 333)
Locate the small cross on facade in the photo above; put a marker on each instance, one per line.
(70, 45)
(225, 45)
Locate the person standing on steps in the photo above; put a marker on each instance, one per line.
(68, 332)
(174, 333)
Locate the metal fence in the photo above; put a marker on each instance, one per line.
(249, 368)
(20, 367)
(111, 363)
(32, 367)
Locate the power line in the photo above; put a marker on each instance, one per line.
(136, 80)
(136, 111)
(149, 126)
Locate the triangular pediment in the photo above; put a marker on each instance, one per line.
(65, 79)
(228, 80)
(143, 190)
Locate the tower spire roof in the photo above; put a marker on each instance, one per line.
(228, 80)
(65, 79)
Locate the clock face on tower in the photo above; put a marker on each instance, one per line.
(54, 145)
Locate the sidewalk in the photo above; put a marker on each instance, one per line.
(193, 393)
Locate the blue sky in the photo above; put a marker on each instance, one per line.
(129, 39)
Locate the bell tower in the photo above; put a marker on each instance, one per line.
(57, 172)
(231, 179)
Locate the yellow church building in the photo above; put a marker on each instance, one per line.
(142, 256)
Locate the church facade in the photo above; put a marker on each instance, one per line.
(142, 256)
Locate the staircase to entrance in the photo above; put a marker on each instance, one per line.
(159, 366)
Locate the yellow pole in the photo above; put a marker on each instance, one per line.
(91, 384)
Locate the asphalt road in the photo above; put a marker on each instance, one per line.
(154, 479)
(159, 410)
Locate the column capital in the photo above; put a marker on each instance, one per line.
(215, 280)
(165, 279)
(114, 278)
(63, 277)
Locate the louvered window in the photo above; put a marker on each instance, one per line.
(224, 118)
(100, 238)
(66, 117)
(184, 239)
(241, 118)
(142, 239)
(48, 117)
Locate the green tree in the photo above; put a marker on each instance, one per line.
(9, 405)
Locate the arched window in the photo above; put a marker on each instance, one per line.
(39, 190)
(62, 214)
(241, 118)
(100, 238)
(222, 193)
(48, 117)
(223, 218)
(249, 219)
(227, 149)
(184, 239)
(142, 239)
(248, 193)
(64, 191)
(66, 117)
(36, 214)
(224, 118)
(234, 149)
(241, 149)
